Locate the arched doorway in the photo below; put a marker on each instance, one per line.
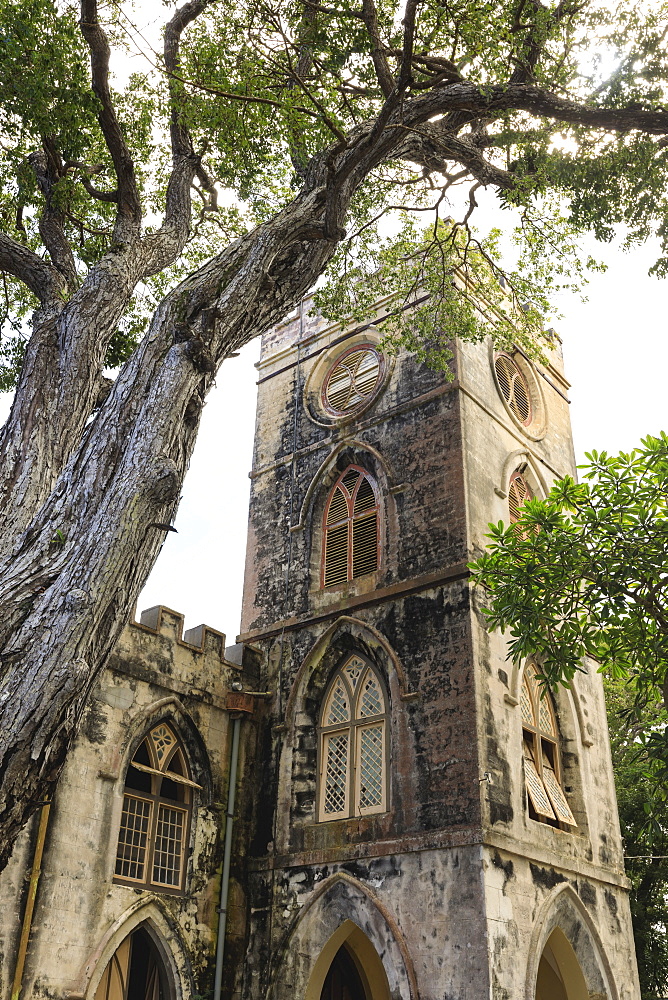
(559, 974)
(135, 971)
(343, 981)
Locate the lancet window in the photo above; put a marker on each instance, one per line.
(157, 808)
(353, 744)
(351, 528)
(542, 760)
(519, 492)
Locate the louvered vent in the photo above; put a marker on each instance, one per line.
(365, 545)
(351, 529)
(338, 507)
(519, 492)
(514, 387)
(353, 379)
(336, 555)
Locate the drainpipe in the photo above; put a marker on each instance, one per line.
(238, 703)
(225, 880)
(30, 902)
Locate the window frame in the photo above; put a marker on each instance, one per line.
(518, 477)
(353, 727)
(365, 401)
(539, 739)
(513, 372)
(157, 803)
(350, 521)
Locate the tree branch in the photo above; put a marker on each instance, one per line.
(41, 278)
(45, 167)
(381, 65)
(128, 220)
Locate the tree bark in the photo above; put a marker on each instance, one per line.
(83, 492)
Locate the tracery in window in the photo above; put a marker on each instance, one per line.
(351, 528)
(514, 387)
(540, 747)
(353, 744)
(353, 380)
(155, 819)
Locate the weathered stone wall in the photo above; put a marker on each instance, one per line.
(455, 880)
(81, 915)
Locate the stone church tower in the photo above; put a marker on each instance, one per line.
(413, 821)
(425, 826)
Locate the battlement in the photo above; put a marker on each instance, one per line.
(164, 621)
(157, 650)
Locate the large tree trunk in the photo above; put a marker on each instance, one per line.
(85, 489)
(69, 582)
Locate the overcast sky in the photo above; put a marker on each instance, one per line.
(616, 355)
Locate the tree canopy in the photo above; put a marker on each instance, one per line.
(582, 573)
(157, 220)
(644, 834)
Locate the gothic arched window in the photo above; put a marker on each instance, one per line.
(540, 747)
(157, 806)
(519, 492)
(353, 742)
(351, 528)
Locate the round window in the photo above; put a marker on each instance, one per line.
(514, 387)
(352, 380)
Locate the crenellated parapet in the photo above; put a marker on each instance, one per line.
(157, 650)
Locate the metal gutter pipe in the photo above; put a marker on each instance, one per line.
(30, 902)
(225, 879)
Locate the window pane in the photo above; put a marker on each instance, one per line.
(337, 709)
(370, 766)
(525, 704)
(132, 838)
(545, 716)
(168, 846)
(352, 670)
(163, 740)
(536, 789)
(371, 698)
(336, 773)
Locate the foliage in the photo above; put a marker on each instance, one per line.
(645, 840)
(264, 86)
(583, 573)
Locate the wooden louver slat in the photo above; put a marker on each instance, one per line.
(519, 492)
(351, 529)
(365, 545)
(514, 387)
(353, 379)
(336, 555)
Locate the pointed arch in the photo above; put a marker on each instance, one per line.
(360, 630)
(563, 910)
(570, 694)
(351, 528)
(343, 910)
(522, 461)
(165, 936)
(170, 709)
(328, 467)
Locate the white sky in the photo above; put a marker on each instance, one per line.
(615, 356)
